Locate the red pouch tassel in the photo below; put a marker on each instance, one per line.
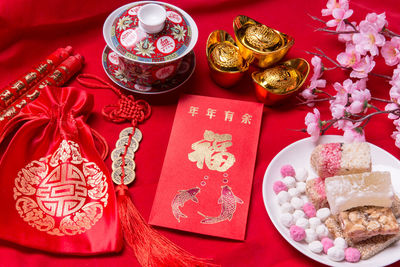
(150, 247)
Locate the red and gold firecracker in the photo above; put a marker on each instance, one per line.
(60, 76)
(13, 91)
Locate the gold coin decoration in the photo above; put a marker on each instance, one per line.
(119, 151)
(226, 55)
(122, 142)
(262, 37)
(128, 131)
(128, 178)
(130, 163)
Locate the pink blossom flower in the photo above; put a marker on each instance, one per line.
(395, 82)
(345, 125)
(396, 77)
(354, 135)
(396, 137)
(318, 67)
(392, 106)
(397, 123)
(369, 39)
(346, 37)
(309, 95)
(363, 67)
(359, 101)
(339, 14)
(313, 124)
(337, 110)
(379, 21)
(360, 84)
(332, 4)
(391, 51)
(395, 94)
(341, 97)
(350, 57)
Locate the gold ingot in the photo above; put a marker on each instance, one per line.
(224, 59)
(277, 83)
(260, 44)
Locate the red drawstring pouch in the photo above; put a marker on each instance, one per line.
(55, 190)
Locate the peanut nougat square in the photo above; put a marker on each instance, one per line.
(364, 222)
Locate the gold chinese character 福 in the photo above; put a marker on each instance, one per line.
(212, 151)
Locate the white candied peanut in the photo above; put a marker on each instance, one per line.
(301, 174)
(294, 192)
(301, 186)
(340, 242)
(297, 203)
(322, 231)
(314, 222)
(289, 181)
(286, 219)
(316, 246)
(283, 197)
(302, 222)
(297, 214)
(323, 214)
(287, 207)
(336, 253)
(311, 235)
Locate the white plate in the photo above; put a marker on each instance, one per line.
(298, 155)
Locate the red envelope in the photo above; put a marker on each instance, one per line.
(206, 179)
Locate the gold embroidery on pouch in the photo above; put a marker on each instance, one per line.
(62, 193)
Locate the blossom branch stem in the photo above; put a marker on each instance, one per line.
(335, 32)
(395, 111)
(342, 67)
(381, 100)
(389, 33)
(351, 24)
(315, 100)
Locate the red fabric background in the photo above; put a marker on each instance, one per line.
(30, 30)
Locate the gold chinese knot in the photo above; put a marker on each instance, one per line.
(61, 194)
(212, 150)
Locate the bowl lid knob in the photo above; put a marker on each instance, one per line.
(152, 18)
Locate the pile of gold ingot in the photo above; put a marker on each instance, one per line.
(259, 45)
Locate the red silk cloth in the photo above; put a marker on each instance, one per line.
(56, 192)
(30, 30)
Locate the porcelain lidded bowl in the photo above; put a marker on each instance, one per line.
(150, 38)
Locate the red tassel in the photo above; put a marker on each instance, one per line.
(150, 247)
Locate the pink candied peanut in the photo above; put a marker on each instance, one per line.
(287, 170)
(352, 255)
(279, 186)
(327, 243)
(309, 210)
(297, 233)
